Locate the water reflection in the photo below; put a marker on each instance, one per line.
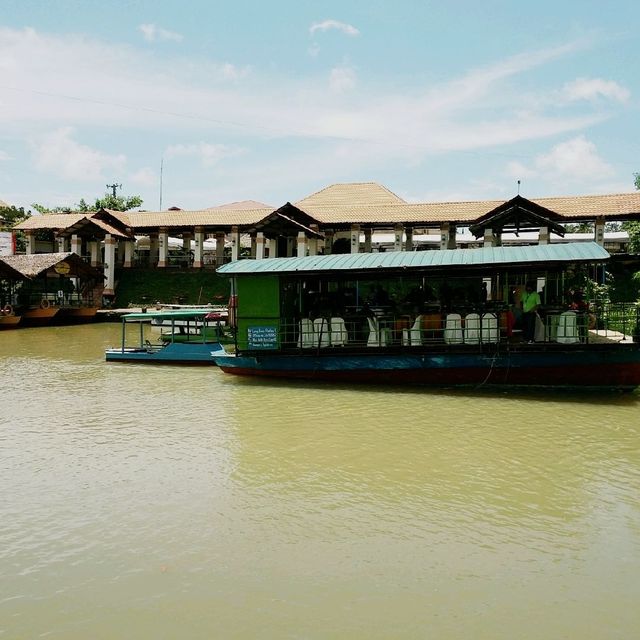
(182, 502)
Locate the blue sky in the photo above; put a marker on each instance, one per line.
(272, 101)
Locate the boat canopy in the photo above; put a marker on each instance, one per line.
(399, 260)
(192, 314)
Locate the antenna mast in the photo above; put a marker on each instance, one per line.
(113, 188)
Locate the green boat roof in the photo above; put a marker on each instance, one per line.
(486, 256)
(185, 314)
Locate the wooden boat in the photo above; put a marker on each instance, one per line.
(179, 345)
(447, 319)
(39, 316)
(8, 318)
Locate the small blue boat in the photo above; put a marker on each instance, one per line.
(188, 337)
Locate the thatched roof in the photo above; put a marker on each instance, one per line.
(33, 265)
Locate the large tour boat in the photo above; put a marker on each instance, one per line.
(447, 318)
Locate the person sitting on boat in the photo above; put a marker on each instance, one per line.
(529, 301)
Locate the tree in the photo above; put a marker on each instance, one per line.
(109, 201)
(632, 227)
(11, 216)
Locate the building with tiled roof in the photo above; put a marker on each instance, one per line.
(350, 213)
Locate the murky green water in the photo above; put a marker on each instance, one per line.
(176, 502)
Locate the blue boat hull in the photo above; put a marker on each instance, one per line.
(617, 368)
(196, 353)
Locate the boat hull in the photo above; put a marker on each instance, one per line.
(612, 368)
(39, 316)
(173, 353)
(9, 321)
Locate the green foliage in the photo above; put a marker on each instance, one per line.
(581, 227)
(109, 201)
(632, 227)
(11, 216)
(148, 286)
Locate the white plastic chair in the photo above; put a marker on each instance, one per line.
(321, 330)
(453, 328)
(472, 328)
(490, 331)
(377, 337)
(307, 338)
(339, 335)
(413, 336)
(568, 328)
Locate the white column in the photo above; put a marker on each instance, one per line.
(31, 242)
(198, 253)
(302, 244)
(163, 248)
(290, 244)
(186, 241)
(109, 264)
(398, 231)
(128, 254)
(76, 244)
(254, 247)
(354, 238)
(328, 241)
(599, 231)
(543, 235)
(489, 238)
(235, 244)
(273, 247)
(153, 249)
(408, 245)
(368, 233)
(260, 245)
(62, 244)
(220, 238)
(94, 250)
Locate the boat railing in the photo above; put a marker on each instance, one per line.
(482, 328)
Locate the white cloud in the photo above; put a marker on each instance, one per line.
(342, 78)
(58, 154)
(574, 160)
(153, 33)
(209, 154)
(144, 177)
(594, 88)
(326, 25)
(4, 156)
(232, 72)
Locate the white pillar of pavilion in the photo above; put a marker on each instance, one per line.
(408, 245)
(94, 251)
(599, 231)
(163, 247)
(76, 244)
(489, 238)
(109, 264)
(62, 244)
(260, 245)
(254, 247)
(398, 232)
(291, 241)
(31, 242)
(447, 235)
(198, 253)
(302, 244)
(368, 233)
(273, 247)
(128, 254)
(544, 237)
(220, 238)
(354, 238)
(235, 244)
(328, 241)
(153, 249)
(313, 242)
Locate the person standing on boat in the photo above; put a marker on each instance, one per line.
(529, 301)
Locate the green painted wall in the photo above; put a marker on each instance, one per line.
(258, 306)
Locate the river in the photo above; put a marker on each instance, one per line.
(178, 502)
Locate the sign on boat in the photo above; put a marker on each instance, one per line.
(443, 318)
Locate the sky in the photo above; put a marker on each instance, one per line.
(200, 103)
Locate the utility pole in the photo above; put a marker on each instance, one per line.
(113, 187)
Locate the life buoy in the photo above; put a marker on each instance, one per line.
(45, 304)
(7, 310)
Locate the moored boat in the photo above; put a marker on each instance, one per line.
(440, 318)
(8, 318)
(190, 337)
